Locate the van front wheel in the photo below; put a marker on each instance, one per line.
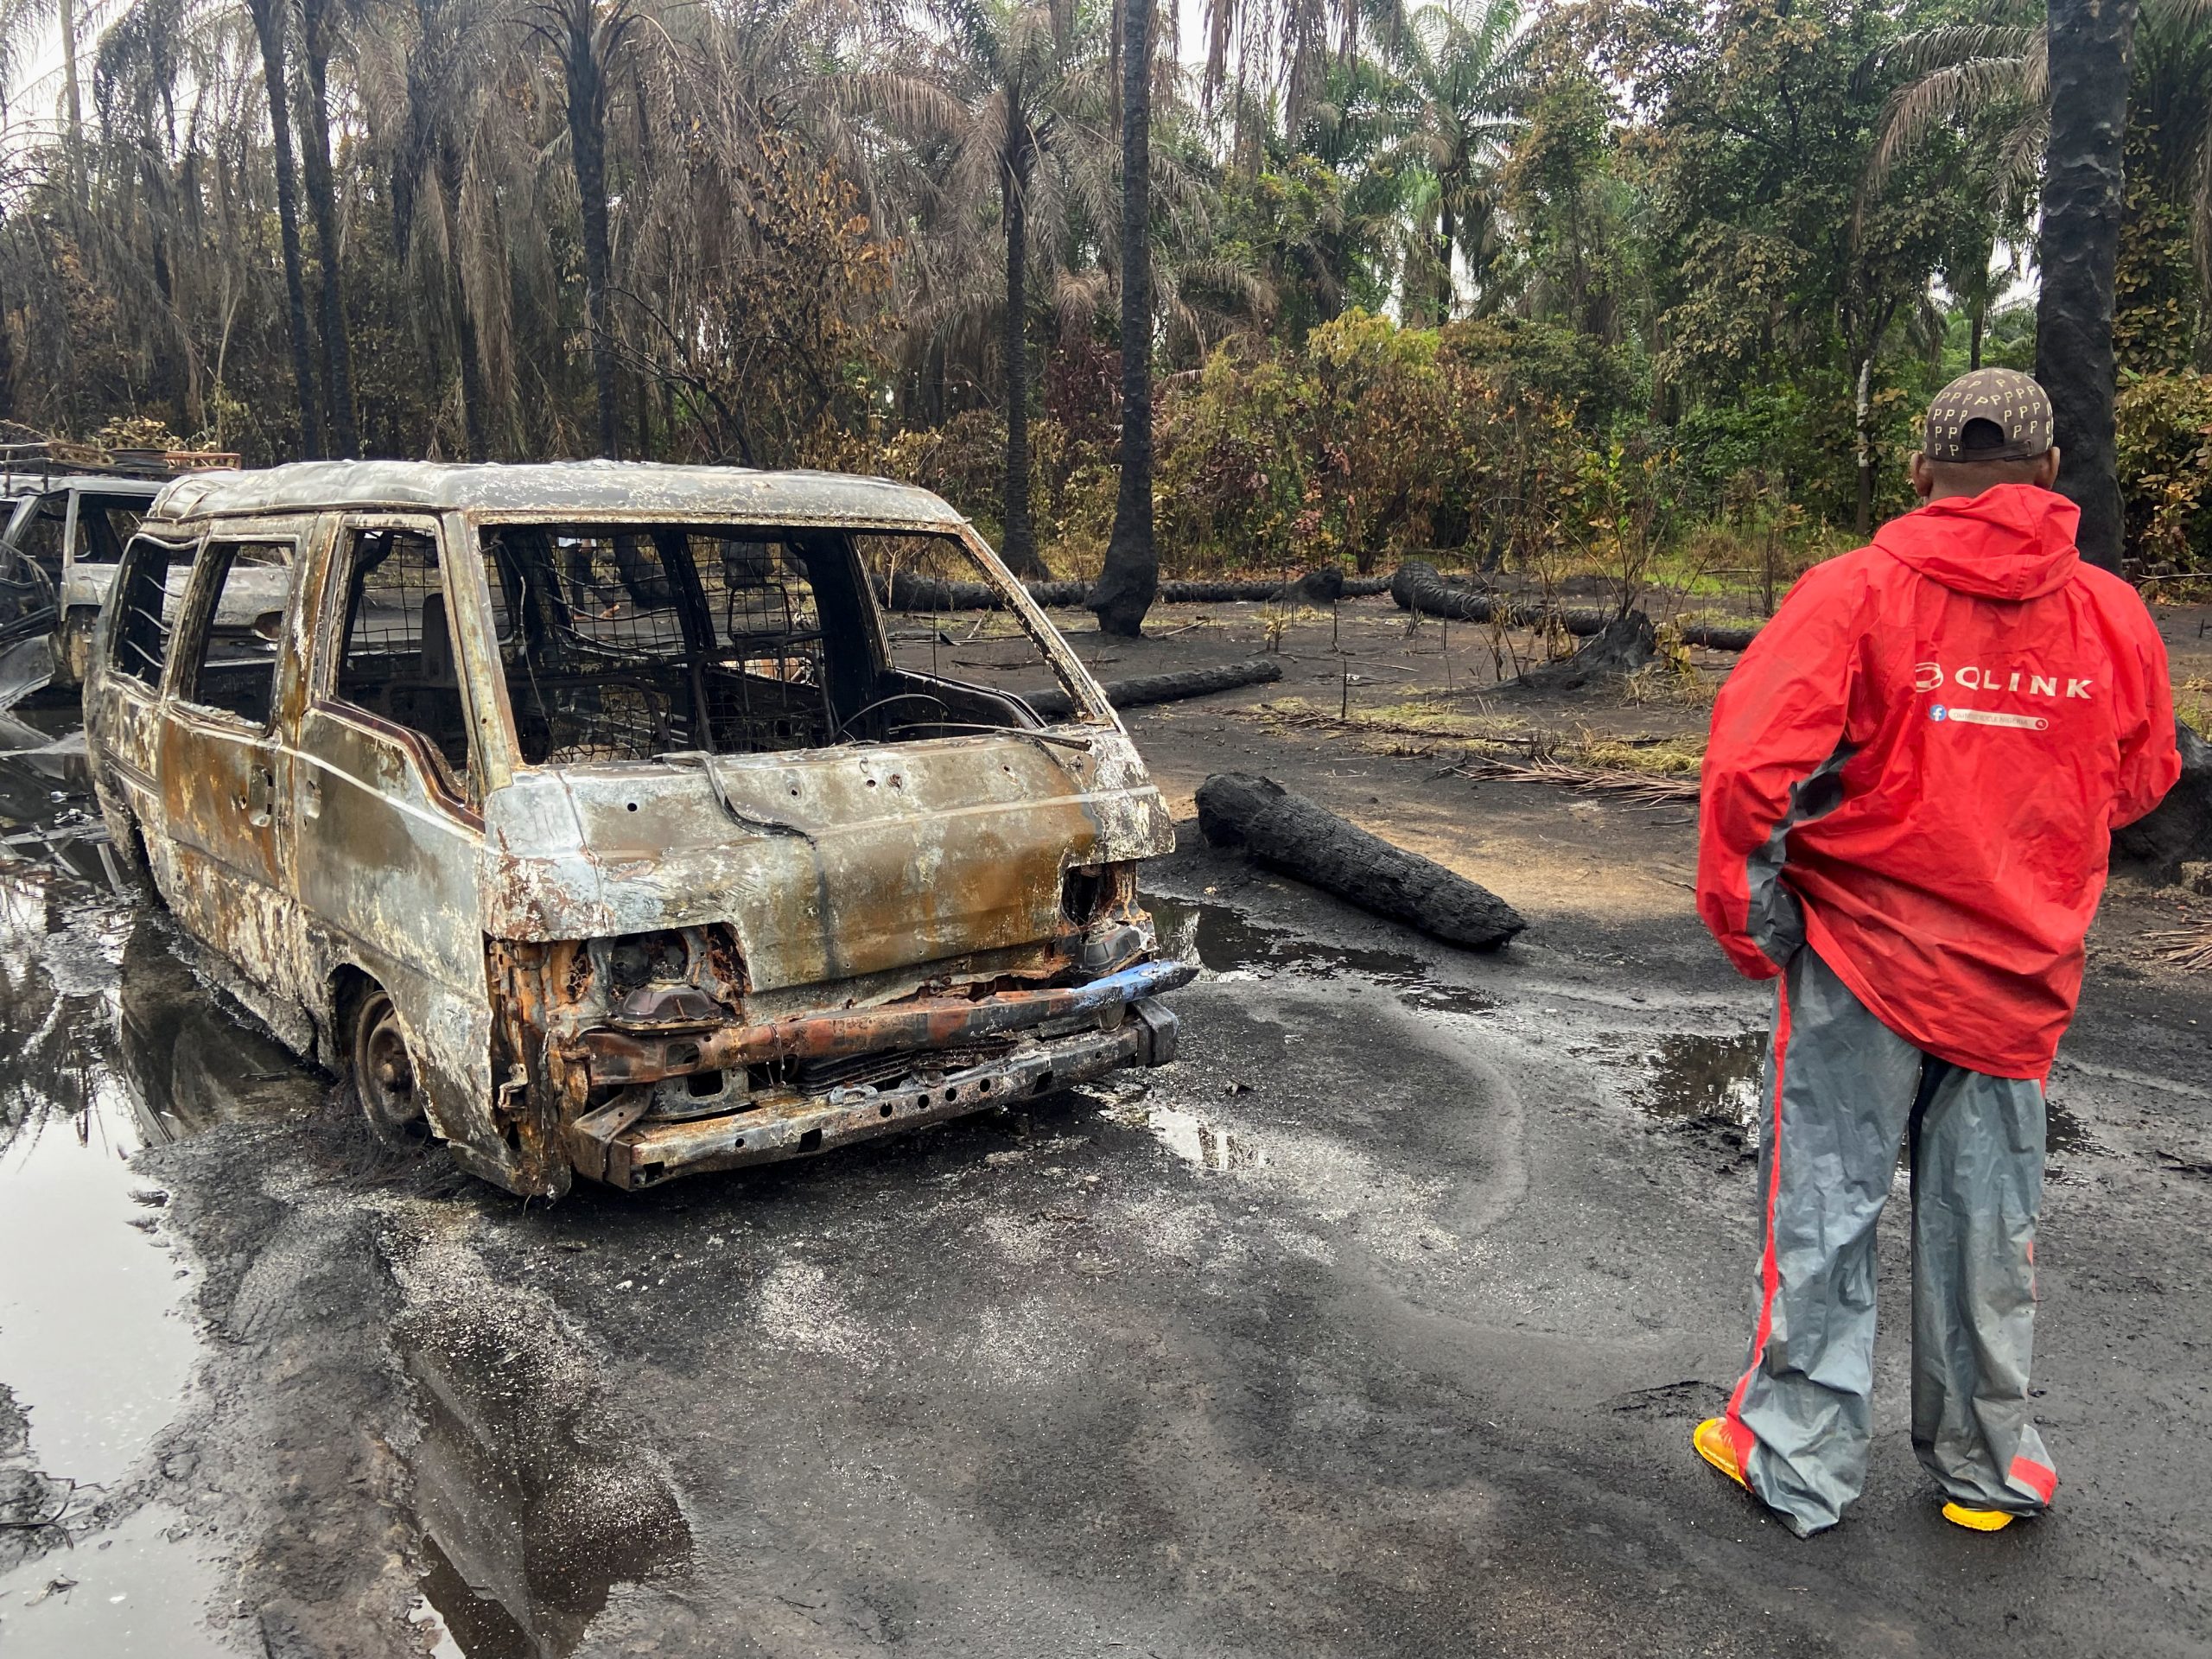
(384, 1070)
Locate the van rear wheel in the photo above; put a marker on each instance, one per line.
(384, 1070)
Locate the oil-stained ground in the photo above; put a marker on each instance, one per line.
(1377, 1325)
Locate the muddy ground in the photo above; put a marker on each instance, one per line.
(1376, 1326)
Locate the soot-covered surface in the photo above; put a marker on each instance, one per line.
(1377, 1325)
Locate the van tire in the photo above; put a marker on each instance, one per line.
(127, 846)
(382, 1071)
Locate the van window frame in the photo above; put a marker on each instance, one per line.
(462, 795)
(196, 622)
(469, 526)
(109, 646)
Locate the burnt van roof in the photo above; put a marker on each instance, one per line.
(587, 488)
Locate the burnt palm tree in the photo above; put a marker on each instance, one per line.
(318, 26)
(428, 79)
(1131, 575)
(587, 38)
(1006, 109)
(2090, 43)
(268, 28)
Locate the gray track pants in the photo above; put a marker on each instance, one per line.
(1842, 1091)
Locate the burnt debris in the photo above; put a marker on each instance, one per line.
(1291, 835)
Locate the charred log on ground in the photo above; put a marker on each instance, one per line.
(1168, 687)
(2179, 828)
(1317, 587)
(1290, 834)
(1417, 586)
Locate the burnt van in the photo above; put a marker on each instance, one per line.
(606, 819)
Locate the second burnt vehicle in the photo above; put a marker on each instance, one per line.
(66, 511)
(600, 819)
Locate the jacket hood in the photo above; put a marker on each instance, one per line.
(2012, 540)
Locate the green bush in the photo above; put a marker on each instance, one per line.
(2166, 468)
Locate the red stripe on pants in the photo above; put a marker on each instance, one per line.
(2038, 1477)
(1741, 1437)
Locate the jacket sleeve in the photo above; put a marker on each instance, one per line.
(2150, 756)
(1776, 747)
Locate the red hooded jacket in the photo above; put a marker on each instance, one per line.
(1917, 766)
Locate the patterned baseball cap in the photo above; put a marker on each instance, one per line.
(2011, 403)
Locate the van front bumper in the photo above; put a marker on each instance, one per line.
(620, 1058)
(616, 1145)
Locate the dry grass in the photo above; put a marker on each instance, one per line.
(1664, 757)
(1581, 757)
(2193, 703)
(2189, 949)
(1644, 788)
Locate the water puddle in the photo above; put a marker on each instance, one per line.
(48, 815)
(2062, 1132)
(1690, 1078)
(1207, 1146)
(137, 1592)
(1693, 1077)
(96, 1343)
(1228, 942)
(531, 1508)
(107, 1044)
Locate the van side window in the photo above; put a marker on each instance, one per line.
(397, 661)
(40, 539)
(103, 527)
(152, 587)
(235, 669)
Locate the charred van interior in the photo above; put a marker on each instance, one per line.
(632, 641)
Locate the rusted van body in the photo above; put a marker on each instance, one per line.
(600, 819)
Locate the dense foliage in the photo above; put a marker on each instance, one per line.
(1588, 277)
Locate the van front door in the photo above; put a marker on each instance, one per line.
(386, 785)
(222, 772)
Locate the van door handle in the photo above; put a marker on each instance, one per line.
(260, 796)
(311, 798)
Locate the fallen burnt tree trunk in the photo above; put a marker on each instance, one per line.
(1319, 587)
(1716, 636)
(1168, 687)
(2179, 828)
(1291, 835)
(932, 593)
(1417, 586)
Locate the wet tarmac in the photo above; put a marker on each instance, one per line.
(1226, 942)
(1316, 1343)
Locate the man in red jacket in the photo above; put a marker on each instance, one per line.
(1914, 776)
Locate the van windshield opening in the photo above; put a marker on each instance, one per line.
(628, 641)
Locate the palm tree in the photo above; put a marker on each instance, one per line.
(269, 20)
(2069, 80)
(1283, 46)
(317, 24)
(1131, 575)
(428, 72)
(1006, 109)
(1462, 63)
(2088, 48)
(586, 38)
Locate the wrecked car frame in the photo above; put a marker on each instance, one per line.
(597, 819)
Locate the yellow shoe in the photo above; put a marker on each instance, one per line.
(1712, 1443)
(1973, 1520)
